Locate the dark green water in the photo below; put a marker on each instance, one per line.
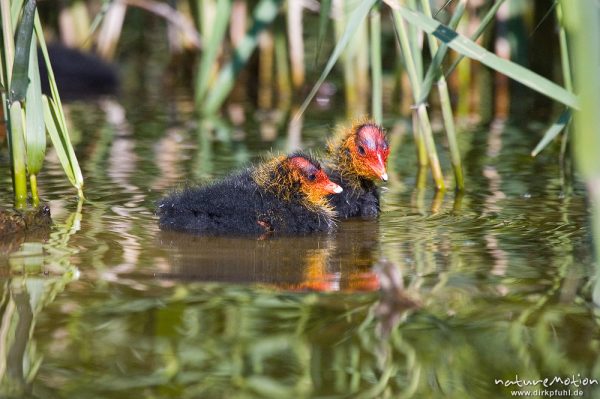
(496, 282)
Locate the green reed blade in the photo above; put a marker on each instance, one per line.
(62, 144)
(5, 53)
(55, 119)
(415, 40)
(324, 11)
(16, 7)
(564, 50)
(402, 37)
(472, 50)
(421, 111)
(359, 14)
(582, 23)
(99, 18)
(553, 131)
(35, 136)
(434, 70)
(376, 72)
(264, 13)
(211, 46)
(284, 85)
(20, 80)
(17, 151)
(487, 19)
(39, 33)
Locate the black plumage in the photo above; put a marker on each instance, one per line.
(360, 197)
(262, 199)
(78, 75)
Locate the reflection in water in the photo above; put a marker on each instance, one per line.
(25, 293)
(122, 165)
(492, 205)
(341, 261)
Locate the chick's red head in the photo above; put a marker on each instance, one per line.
(314, 181)
(369, 151)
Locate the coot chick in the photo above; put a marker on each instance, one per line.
(287, 194)
(357, 157)
(78, 75)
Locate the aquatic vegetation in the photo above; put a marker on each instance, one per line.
(274, 29)
(29, 113)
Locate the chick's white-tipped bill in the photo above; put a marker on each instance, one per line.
(384, 177)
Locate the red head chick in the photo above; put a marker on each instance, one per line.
(288, 176)
(360, 151)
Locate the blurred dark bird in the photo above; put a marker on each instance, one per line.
(78, 75)
(357, 157)
(287, 194)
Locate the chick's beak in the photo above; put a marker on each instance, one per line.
(378, 168)
(333, 188)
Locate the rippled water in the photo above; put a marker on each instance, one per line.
(442, 297)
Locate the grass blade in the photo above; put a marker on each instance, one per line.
(421, 111)
(62, 144)
(434, 70)
(564, 50)
(264, 13)
(211, 48)
(356, 19)
(98, 18)
(17, 152)
(20, 79)
(553, 131)
(55, 119)
(472, 50)
(35, 137)
(8, 45)
(16, 7)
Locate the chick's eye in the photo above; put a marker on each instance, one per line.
(361, 150)
(312, 177)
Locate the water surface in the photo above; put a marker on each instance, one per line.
(439, 298)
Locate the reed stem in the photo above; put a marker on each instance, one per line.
(9, 46)
(18, 154)
(265, 70)
(445, 103)
(422, 115)
(34, 190)
(213, 31)
(564, 49)
(296, 42)
(582, 23)
(264, 13)
(284, 86)
(376, 72)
